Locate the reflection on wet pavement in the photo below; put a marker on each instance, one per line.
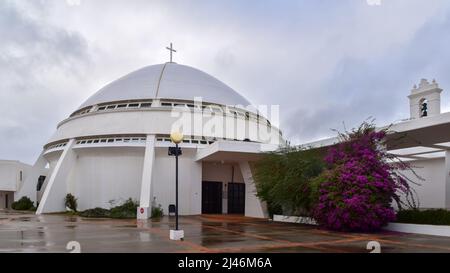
(21, 232)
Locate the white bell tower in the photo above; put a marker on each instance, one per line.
(425, 99)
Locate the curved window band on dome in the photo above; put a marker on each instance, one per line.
(210, 108)
(138, 140)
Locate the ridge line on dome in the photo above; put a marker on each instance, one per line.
(159, 80)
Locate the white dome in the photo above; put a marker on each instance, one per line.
(167, 81)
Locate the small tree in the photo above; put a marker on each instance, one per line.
(71, 202)
(356, 191)
(23, 203)
(283, 180)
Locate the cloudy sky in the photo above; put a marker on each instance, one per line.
(324, 62)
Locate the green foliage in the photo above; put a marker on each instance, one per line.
(426, 217)
(71, 202)
(126, 210)
(283, 179)
(23, 203)
(96, 213)
(157, 212)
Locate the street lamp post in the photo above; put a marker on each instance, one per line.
(176, 186)
(176, 138)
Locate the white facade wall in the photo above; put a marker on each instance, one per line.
(431, 192)
(109, 174)
(190, 177)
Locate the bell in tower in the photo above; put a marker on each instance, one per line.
(425, 99)
(424, 109)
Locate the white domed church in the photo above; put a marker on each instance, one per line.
(115, 147)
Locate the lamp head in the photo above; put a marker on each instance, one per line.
(176, 137)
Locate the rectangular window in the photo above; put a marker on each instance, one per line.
(121, 106)
(133, 105)
(146, 105)
(102, 108)
(21, 176)
(96, 141)
(111, 107)
(166, 104)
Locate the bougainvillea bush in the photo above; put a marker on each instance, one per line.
(356, 191)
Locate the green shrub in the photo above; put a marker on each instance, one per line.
(126, 210)
(426, 217)
(283, 180)
(71, 202)
(23, 203)
(96, 213)
(157, 212)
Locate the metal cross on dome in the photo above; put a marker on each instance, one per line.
(171, 51)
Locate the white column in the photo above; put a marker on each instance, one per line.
(56, 189)
(144, 210)
(447, 179)
(253, 206)
(28, 186)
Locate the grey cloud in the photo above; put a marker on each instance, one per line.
(32, 86)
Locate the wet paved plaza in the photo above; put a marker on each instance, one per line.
(212, 233)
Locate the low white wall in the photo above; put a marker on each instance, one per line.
(399, 227)
(420, 229)
(294, 219)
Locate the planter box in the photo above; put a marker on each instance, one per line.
(294, 219)
(419, 229)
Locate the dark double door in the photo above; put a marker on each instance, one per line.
(236, 198)
(212, 198)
